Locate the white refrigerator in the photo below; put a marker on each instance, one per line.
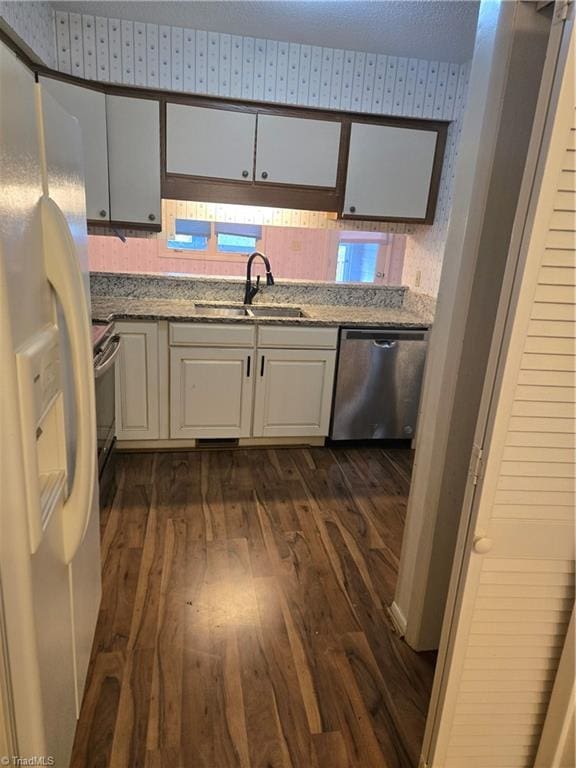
(49, 528)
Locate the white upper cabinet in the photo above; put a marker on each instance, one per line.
(89, 108)
(389, 171)
(299, 151)
(215, 143)
(284, 160)
(134, 159)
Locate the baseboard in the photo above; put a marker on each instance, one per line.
(397, 618)
(272, 441)
(243, 442)
(154, 445)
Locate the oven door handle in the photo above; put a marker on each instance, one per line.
(108, 357)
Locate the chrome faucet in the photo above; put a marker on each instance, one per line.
(252, 290)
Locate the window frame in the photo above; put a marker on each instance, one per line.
(360, 241)
(211, 253)
(245, 252)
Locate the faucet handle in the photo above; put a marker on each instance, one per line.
(252, 290)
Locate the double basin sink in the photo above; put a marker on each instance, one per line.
(231, 310)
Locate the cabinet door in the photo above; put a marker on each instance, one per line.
(210, 392)
(294, 150)
(216, 143)
(293, 392)
(137, 374)
(389, 171)
(134, 159)
(89, 108)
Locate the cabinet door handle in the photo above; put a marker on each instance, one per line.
(352, 209)
(262, 366)
(245, 174)
(264, 174)
(152, 217)
(103, 213)
(248, 364)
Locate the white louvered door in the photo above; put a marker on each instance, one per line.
(515, 592)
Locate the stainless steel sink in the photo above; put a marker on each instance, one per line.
(275, 312)
(223, 310)
(220, 311)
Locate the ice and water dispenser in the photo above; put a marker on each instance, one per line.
(43, 429)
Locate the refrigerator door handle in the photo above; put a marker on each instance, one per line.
(64, 274)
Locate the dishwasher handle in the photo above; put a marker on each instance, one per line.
(384, 343)
(383, 336)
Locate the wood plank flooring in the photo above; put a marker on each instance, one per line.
(242, 622)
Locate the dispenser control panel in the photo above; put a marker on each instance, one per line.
(39, 369)
(43, 431)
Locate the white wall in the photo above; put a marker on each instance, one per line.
(506, 71)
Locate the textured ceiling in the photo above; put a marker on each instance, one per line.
(428, 29)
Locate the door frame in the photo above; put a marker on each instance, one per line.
(503, 87)
(540, 149)
(7, 717)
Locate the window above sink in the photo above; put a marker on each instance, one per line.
(214, 240)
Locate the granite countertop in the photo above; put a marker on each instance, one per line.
(124, 308)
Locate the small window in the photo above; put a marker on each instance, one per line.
(237, 238)
(190, 235)
(236, 243)
(356, 262)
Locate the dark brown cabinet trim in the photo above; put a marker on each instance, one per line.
(254, 192)
(139, 225)
(437, 166)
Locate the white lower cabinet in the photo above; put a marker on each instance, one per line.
(211, 392)
(293, 392)
(137, 382)
(187, 381)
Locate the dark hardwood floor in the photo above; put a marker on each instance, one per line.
(242, 620)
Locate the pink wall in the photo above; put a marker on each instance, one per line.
(149, 254)
(302, 254)
(296, 253)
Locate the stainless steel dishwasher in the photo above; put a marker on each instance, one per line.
(378, 383)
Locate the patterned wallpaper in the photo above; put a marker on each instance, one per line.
(33, 22)
(197, 61)
(251, 68)
(271, 217)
